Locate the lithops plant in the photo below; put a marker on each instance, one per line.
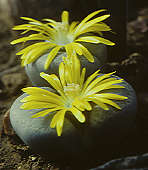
(57, 38)
(76, 118)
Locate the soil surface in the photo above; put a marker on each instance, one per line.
(14, 154)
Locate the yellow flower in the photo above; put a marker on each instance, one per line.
(74, 94)
(61, 35)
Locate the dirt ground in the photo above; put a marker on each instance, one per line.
(14, 154)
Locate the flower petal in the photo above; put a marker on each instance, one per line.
(37, 90)
(53, 80)
(82, 105)
(33, 54)
(30, 37)
(30, 19)
(69, 50)
(65, 17)
(89, 79)
(45, 112)
(98, 80)
(42, 98)
(72, 26)
(95, 39)
(27, 49)
(51, 56)
(110, 96)
(115, 87)
(30, 27)
(90, 39)
(37, 105)
(96, 28)
(86, 53)
(101, 104)
(58, 121)
(82, 77)
(103, 87)
(78, 114)
(92, 15)
(62, 74)
(106, 80)
(94, 21)
(107, 101)
(86, 19)
(76, 70)
(77, 48)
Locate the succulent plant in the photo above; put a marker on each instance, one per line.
(61, 35)
(54, 39)
(75, 109)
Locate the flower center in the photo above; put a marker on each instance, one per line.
(62, 35)
(72, 91)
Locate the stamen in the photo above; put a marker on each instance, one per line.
(62, 36)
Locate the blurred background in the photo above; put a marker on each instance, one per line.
(129, 22)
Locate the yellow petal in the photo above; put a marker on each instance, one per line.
(82, 78)
(22, 27)
(39, 51)
(107, 101)
(50, 20)
(53, 80)
(89, 79)
(30, 19)
(95, 39)
(58, 121)
(45, 112)
(72, 26)
(92, 15)
(106, 80)
(78, 114)
(76, 70)
(79, 104)
(43, 98)
(69, 50)
(96, 28)
(90, 39)
(96, 82)
(68, 75)
(37, 90)
(94, 21)
(59, 125)
(82, 105)
(27, 49)
(104, 41)
(77, 48)
(37, 105)
(103, 86)
(51, 56)
(30, 37)
(41, 113)
(31, 27)
(87, 18)
(86, 53)
(65, 17)
(33, 54)
(87, 105)
(101, 104)
(37, 24)
(111, 96)
(68, 72)
(115, 87)
(18, 40)
(24, 32)
(62, 74)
